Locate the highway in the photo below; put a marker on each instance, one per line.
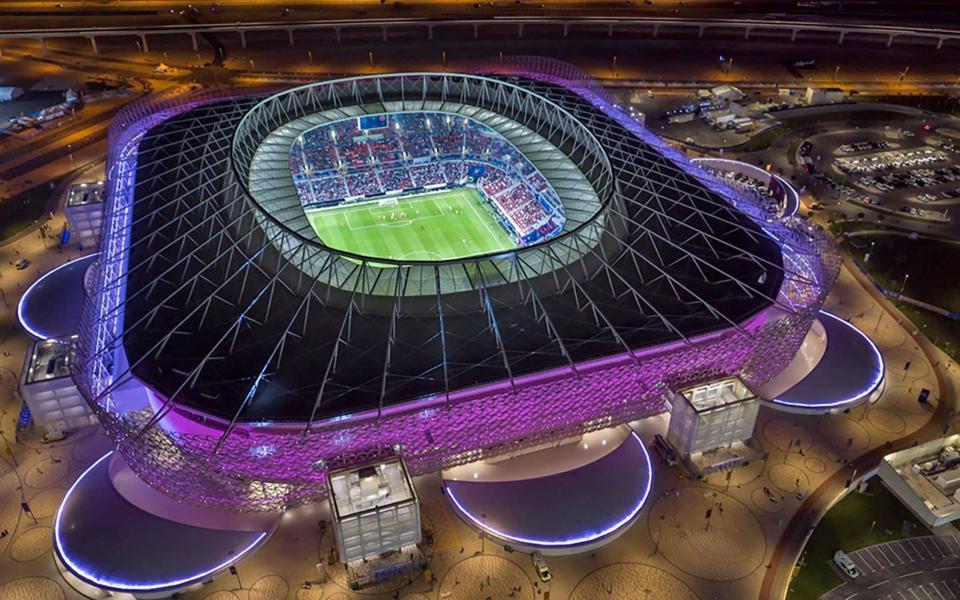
(701, 25)
(32, 14)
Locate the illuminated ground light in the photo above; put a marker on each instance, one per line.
(575, 540)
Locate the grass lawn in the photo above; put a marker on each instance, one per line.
(20, 211)
(931, 265)
(857, 521)
(436, 226)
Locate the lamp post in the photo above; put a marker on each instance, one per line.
(483, 532)
(904, 284)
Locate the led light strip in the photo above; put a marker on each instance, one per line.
(869, 389)
(576, 541)
(23, 299)
(706, 161)
(95, 579)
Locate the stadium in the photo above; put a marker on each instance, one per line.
(444, 267)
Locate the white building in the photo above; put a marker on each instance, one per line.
(926, 478)
(726, 92)
(84, 209)
(713, 415)
(823, 96)
(46, 386)
(375, 510)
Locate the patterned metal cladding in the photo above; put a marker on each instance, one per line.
(269, 466)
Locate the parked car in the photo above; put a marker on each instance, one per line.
(22, 264)
(54, 435)
(846, 564)
(541, 567)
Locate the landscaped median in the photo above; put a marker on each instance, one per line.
(923, 269)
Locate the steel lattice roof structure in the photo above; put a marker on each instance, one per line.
(216, 295)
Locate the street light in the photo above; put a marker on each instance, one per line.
(483, 531)
(904, 284)
(866, 258)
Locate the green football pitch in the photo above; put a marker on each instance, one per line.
(435, 226)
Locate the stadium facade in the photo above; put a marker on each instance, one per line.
(235, 359)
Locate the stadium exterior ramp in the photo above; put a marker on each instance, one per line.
(268, 359)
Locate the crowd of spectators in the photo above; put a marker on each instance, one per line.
(412, 152)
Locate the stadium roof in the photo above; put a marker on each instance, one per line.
(234, 311)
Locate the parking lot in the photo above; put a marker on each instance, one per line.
(911, 171)
(899, 552)
(920, 568)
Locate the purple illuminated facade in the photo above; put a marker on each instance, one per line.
(271, 465)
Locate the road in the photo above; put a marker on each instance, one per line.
(19, 14)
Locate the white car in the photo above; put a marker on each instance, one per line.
(54, 435)
(846, 564)
(541, 567)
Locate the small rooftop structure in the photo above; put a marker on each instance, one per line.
(815, 96)
(926, 478)
(49, 359)
(726, 92)
(375, 509)
(717, 394)
(81, 194)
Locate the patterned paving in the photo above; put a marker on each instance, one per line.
(32, 544)
(32, 588)
(486, 576)
(631, 581)
(270, 587)
(700, 547)
(46, 472)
